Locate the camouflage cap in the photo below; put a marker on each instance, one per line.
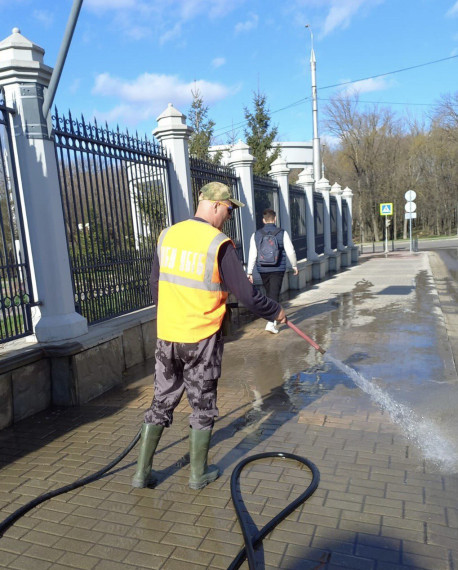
(218, 191)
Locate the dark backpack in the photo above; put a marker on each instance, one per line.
(268, 249)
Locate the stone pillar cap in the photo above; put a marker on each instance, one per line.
(171, 112)
(20, 48)
(172, 122)
(336, 188)
(323, 184)
(240, 145)
(279, 166)
(21, 61)
(306, 176)
(240, 154)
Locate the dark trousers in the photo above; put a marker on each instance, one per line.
(272, 282)
(194, 367)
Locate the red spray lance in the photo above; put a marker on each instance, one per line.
(305, 337)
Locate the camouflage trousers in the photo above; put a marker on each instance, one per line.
(194, 367)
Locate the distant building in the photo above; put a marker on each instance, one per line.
(298, 155)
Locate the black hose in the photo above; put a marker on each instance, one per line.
(252, 541)
(4, 525)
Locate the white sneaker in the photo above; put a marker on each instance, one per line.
(270, 326)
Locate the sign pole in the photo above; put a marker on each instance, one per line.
(410, 232)
(386, 209)
(386, 234)
(410, 208)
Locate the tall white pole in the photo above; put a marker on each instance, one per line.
(316, 139)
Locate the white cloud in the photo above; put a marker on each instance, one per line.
(218, 62)
(248, 25)
(339, 13)
(171, 34)
(106, 5)
(158, 18)
(189, 9)
(453, 10)
(368, 86)
(45, 17)
(330, 141)
(342, 12)
(75, 85)
(148, 95)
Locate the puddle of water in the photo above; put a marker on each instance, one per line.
(309, 385)
(422, 432)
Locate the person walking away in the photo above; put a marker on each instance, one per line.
(194, 267)
(270, 247)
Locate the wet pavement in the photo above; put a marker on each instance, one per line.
(383, 433)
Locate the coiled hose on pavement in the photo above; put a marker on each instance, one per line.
(251, 542)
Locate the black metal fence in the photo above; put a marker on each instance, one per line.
(345, 221)
(318, 208)
(115, 197)
(203, 172)
(265, 196)
(16, 296)
(333, 216)
(297, 207)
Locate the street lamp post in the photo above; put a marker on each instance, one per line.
(322, 160)
(316, 139)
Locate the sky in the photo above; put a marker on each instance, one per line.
(129, 58)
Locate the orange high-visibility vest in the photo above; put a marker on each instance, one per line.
(191, 298)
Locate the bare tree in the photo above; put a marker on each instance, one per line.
(445, 115)
(368, 141)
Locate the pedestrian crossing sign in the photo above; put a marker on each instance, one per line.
(386, 209)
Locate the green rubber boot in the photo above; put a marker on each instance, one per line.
(201, 474)
(151, 434)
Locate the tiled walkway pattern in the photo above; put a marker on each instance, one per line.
(379, 506)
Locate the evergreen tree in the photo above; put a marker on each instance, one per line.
(202, 136)
(259, 135)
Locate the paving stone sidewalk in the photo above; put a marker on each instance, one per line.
(380, 505)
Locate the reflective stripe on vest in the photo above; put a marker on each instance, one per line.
(207, 284)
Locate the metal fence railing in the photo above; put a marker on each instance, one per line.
(297, 208)
(16, 297)
(318, 209)
(115, 197)
(333, 216)
(265, 196)
(203, 172)
(345, 221)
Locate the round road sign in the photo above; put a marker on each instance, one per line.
(410, 207)
(410, 195)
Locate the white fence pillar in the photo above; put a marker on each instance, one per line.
(173, 132)
(242, 162)
(348, 195)
(279, 172)
(336, 190)
(24, 78)
(324, 187)
(305, 180)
